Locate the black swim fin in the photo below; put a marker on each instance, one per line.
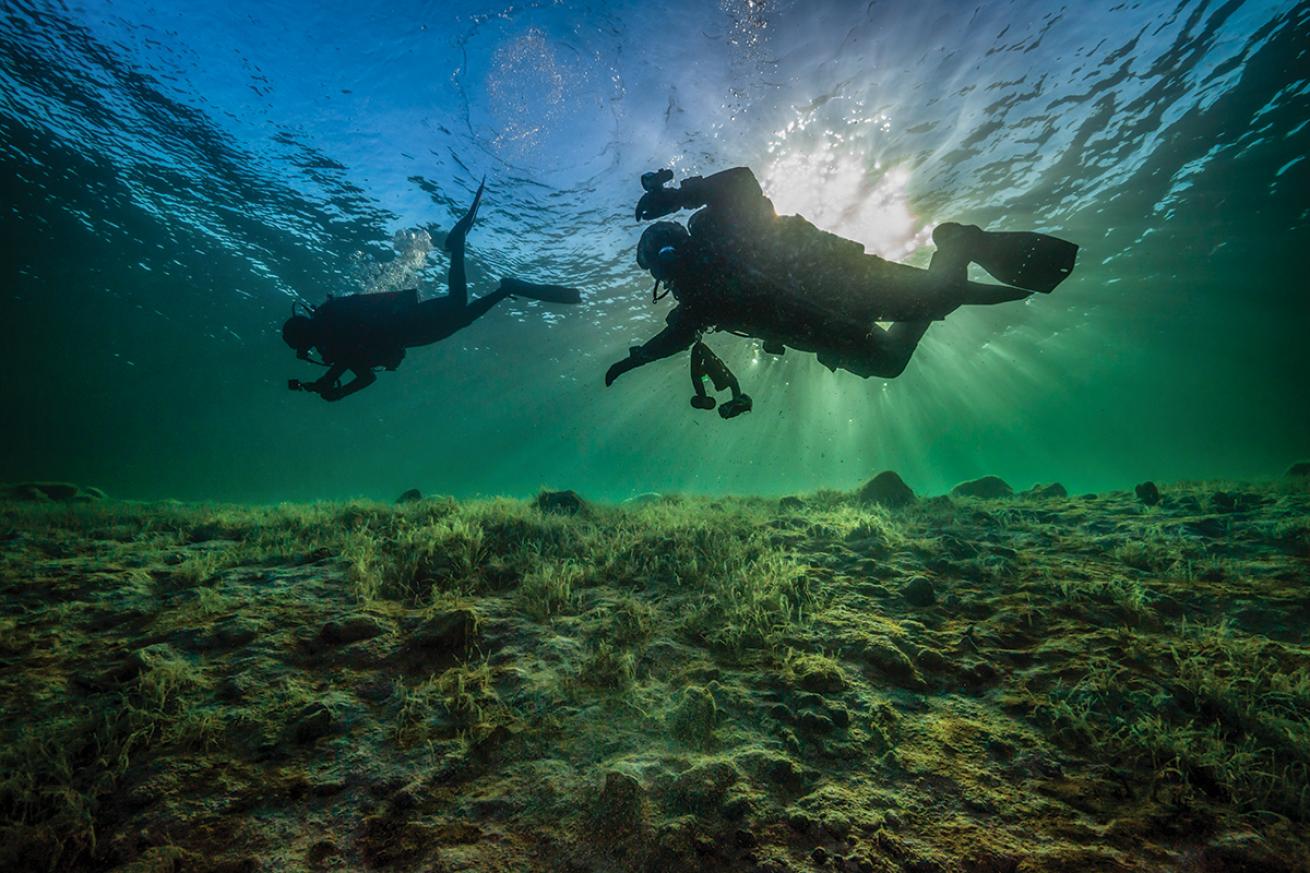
(462, 227)
(546, 293)
(1032, 261)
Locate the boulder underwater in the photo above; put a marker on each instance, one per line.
(50, 492)
(1299, 470)
(987, 488)
(413, 495)
(1053, 490)
(886, 489)
(1148, 493)
(560, 502)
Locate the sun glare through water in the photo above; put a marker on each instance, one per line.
(830, 179)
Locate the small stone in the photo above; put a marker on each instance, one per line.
(821, 676)
(702, 788)
(801, 822)
(774, 767)
(694, 716)
(448, 632)
(314, 722)
(781, 712)
(560, 502)
(883, 655)
(814, 722)
(351, 629)
(43, 492)
(1047, 492)
(1148, 493)
(987, 488)
(413, 495)
(377, 690)
(1299, 470)
(745, 839)
(791, 504)
(621, 800)
(840, 716)
(233, 633)
(919, 592)
(736, 807)
(1223, 501)
(886, 489)
(819, 855)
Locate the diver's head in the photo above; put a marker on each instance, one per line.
(660, 247)
(299, 332)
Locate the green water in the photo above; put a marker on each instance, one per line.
(174, 178)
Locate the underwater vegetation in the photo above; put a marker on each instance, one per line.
(866, 681)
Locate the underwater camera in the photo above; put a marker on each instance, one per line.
(657, 180)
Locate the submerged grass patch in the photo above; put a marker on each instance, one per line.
(960, 684)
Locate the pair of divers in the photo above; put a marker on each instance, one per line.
(737, 266)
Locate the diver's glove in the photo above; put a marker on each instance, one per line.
(634, 360)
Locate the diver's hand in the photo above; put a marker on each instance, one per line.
(634, 360)
(658, 202)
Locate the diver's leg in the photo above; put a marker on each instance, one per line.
(434, 320)
(884, 353)
(479, 307)
(455, 239)
(957, 246)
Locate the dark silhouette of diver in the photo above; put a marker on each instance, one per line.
(364, 332)
(738, 266)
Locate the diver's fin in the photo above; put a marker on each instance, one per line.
(533, 291)
(462, 227)
(1032, 261)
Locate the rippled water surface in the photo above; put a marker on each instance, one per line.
(176, 174)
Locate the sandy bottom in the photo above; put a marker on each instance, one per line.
(1016, 684)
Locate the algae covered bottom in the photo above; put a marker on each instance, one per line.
(1016, 683)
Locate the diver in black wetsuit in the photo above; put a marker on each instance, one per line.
(363, 332)
(740, 267)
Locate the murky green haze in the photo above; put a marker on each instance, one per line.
(175, 177)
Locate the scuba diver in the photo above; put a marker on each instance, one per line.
(740, 267)
(364, 332)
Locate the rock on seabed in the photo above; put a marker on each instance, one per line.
(988, 488)
(886, 489)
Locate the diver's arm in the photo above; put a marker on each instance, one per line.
(324, 383)
(678, 336)
(735, 188)
(363, 378)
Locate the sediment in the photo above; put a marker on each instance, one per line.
(1004, 683)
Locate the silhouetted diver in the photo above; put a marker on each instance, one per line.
(363, 332)
(740, 267)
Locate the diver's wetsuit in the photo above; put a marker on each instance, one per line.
(747, 270)
(363, 332)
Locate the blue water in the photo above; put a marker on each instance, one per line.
(177, 174)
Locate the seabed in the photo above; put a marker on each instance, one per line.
(1023, 683)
